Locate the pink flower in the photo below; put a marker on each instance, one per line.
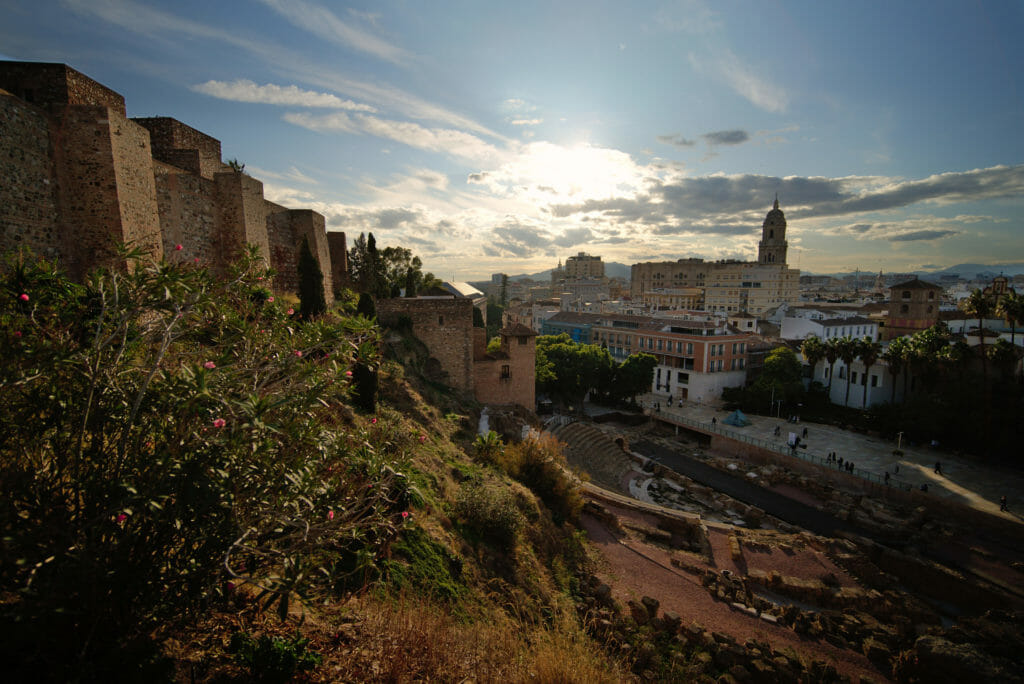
(423, 438)
(178, 248)
(330, 515)
(219, 422)
(209, 365)
(230, 586)
(259, 277)
(121, 517)
(348, 374)
(298, 353)
(291, 311)
(373, 421)
(270, 299)
(405, 515)
(17, 333)
(23, 297)
(196, 260)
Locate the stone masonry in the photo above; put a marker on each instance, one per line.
(458, 350)
(78, 177)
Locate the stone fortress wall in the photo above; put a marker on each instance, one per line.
(77, 176)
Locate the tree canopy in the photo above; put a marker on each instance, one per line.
(387, 272)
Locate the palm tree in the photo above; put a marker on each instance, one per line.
(977, 305)
(897, 357)
(869, 351)
(831, 356)
(847, 347)
(813, 350)
(1011, 307)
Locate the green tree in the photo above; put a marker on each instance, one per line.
(869, 351)
(311, 284)
(1011, 308)
(897, 356)
(782, 376)
(813, 350)
(978, 305)
(633, 376)
(570, 370)
(831, 356)
(846, 347)
(235, 165)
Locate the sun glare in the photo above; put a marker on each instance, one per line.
(546, 173)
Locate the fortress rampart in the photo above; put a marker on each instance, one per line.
(77, 176)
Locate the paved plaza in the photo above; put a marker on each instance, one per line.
(966, 480)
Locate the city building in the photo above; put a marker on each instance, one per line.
(697, 356)
(583, 266)
(727, 286)
(913, 306)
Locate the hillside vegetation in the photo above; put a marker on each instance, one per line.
(188, 492)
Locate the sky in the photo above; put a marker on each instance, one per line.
(504, 137)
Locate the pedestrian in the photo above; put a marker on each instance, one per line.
(670, 401)
(1002, 502)
(805, 433)
(938, 468)
(778, 430)
(714, 420)
(840, 463)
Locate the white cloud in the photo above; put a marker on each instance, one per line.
(324, 24)
(526, 122)
(444, 140)
(244, 90)
(724, 64)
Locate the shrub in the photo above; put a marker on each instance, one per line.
(272, 659)
(490, 511)
(163, 433)
(538, 463)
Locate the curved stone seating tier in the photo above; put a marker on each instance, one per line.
(594, 452)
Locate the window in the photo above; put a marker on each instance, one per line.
(743, 347)
(506, 372)
(904, 308)
(660, 344)
(853, 377)
(713, 348)
(931, 295)
(930, 308)
(874, 381)
(521, 340)
(906, 294)
(689, 348)
(842, 372)
(641, 340)
(682, 378)
(720, 364)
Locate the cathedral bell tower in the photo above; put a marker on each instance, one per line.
(772, 248)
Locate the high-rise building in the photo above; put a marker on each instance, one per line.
(584, 266)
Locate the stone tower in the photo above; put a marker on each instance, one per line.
(772, 248)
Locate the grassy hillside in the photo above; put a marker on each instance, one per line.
(187, 492)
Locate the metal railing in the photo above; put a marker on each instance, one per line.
(775, 446)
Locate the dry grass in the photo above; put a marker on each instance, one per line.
(410, 640)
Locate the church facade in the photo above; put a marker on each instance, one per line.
(728, 286)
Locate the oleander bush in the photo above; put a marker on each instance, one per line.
(167, 436)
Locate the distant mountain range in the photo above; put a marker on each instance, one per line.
(966, 271)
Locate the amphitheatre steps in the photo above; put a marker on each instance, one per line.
(594, 452)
